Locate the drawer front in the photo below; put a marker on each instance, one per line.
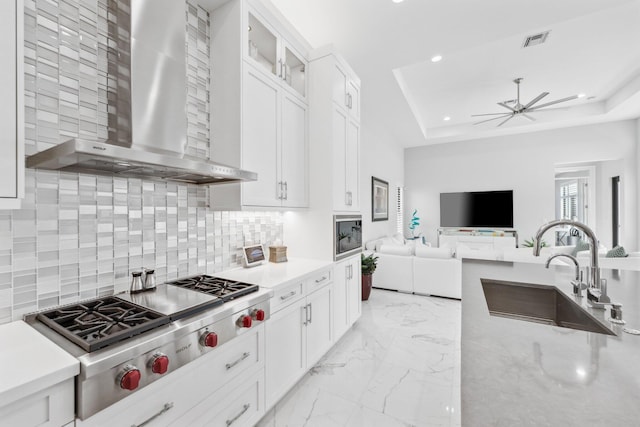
(319, 280)
(50, 407)
(286, 295)
(241, 407)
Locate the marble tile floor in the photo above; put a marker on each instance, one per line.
(399, 365)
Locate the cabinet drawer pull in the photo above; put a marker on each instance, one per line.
(322, 279)
(245, 408)
(164, 409)
(240, 359)
(287, 296)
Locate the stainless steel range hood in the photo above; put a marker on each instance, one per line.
(148, 122)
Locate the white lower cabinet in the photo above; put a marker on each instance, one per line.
(298, 334)
(52, 406)
(347, 300)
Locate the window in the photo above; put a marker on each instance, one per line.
(400, 210)
(569, 200)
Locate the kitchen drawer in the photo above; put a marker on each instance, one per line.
(170, 398)
(242, 407)
(318, 280)
(286, 295)
(52, 406)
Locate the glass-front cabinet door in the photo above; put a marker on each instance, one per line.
(263, 45)
(294, 71)
(274, 55)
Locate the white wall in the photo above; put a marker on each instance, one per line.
(380, 157)
(525, 164)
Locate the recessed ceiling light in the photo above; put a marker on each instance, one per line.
(397, 1)
(582, 95)
(436, 58)
(447, 118)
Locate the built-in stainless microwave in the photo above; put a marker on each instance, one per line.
(347, 235)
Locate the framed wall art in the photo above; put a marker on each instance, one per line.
(379, 199)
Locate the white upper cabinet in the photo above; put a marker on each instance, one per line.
(11, 105)
(334, 93)
(259, 107)
(346, 90)
(276, 56)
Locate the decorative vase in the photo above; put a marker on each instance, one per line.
(366, 286)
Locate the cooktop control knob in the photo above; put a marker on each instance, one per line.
(245, 321)
(209, 339)
(258, 315)
(159, 363)
(130, 378)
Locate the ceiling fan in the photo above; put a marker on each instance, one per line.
(517, 109)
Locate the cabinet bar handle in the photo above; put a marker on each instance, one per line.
(306, 315)
(279, 190)
(310, 313)
(322, 279)
(240, 359)
(287, 296)
(286, 190)
(164, 409)
(245, 408)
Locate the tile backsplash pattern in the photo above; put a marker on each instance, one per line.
(79, 236)
(198, 30)
(71, 88)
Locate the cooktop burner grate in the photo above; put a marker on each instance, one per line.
(225, 289)
(95, 324)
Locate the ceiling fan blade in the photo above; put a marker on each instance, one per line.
(495, 118)
(528, 117)
(502, 104)
(506, 120)
(549, 109)
(557, 101)
(536, 99)
(489, 114)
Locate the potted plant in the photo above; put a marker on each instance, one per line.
(369, 264)
(415, 223)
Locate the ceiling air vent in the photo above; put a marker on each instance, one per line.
(535, 39)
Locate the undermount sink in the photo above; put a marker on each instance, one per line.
(539, 304)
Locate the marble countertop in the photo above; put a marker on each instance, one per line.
(29, 362)
(272, 275)
(518, 373)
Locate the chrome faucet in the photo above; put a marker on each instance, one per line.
(595, 292)
(577, 283)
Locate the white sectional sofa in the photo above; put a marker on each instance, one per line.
(415, 267)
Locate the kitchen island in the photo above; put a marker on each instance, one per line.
(519, 373)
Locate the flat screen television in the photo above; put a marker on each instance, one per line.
(492, 209)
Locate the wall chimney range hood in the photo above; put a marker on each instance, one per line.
(147, 118)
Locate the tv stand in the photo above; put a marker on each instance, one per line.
(478, 238)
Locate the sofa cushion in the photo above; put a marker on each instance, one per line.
(427, 252)
(617, 252)
(396, 250)
(372, 244)
(582, 245)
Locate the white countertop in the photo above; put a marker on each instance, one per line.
(271, 275)
(518, 373)
(29, 362)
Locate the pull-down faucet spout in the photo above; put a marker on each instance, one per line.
(594, 277)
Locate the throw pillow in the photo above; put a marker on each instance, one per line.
(582, 245)
(617, 252)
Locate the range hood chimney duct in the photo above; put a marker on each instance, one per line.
(147, 116)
